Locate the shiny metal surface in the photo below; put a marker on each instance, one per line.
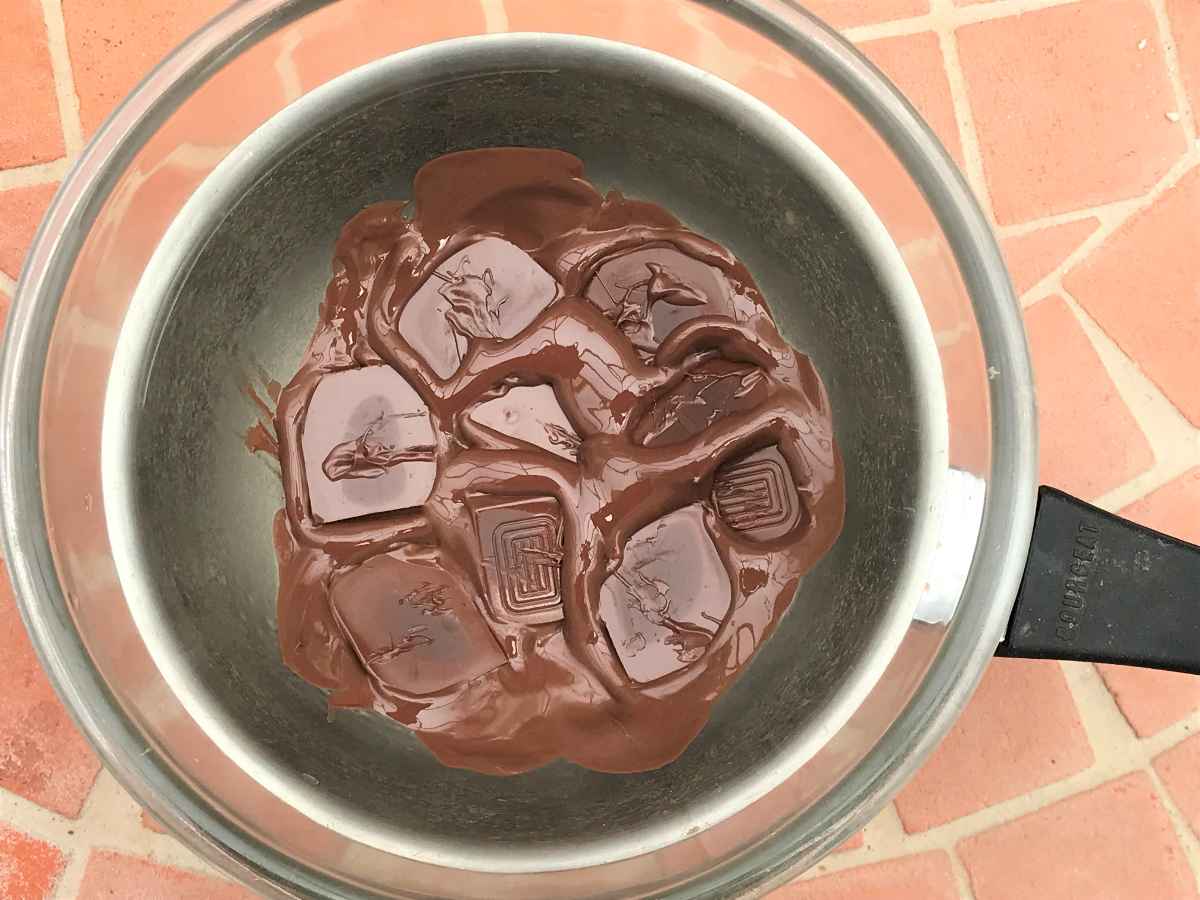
(232, 291)
(189, 250)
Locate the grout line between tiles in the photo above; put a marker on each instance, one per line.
(1173, 440)
(1117, 745)
(948, 835)
(495, 16)
(68, 835)
(37, 174)
(886, 838)
(1112, 216)
(87, 828)
(285, 67)
(1103, 722)
(111, 820)
(36, 820)
(1183, 105)
(895, 28)
(964, 116)
(1117, 752)
(1162, 741)
(1115, 213)
(1183, 831)
(889, 826)
(64, 79)
(944, 19)
(70, 880)
(1001, 9)
(956, 15)
(962, 878)
(1103, 212)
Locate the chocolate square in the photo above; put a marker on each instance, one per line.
(664, 604)
(650, 292)
(711, 391)
(531, 414)
(491, 289)
(412, 625)
(368, 445)
(757, 496)
(520, 544)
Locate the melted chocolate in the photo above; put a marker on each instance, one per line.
(711, 391)
(551, 473)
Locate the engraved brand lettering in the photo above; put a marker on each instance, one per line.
(1073, 600)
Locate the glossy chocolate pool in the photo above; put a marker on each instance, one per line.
(551, 473)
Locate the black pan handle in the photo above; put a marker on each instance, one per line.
(1100, 588)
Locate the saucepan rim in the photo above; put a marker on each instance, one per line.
(972, 637)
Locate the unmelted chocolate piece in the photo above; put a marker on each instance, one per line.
(711, 391)
(412, 624)
(520, 543)
(491, 289)
(664, 604)
(756, 495)
(531, 414)
(649, 292)
(368, 445)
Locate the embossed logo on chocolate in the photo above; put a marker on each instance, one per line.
(551, 475)
(757, 495)
(528, 556)
(521, 545)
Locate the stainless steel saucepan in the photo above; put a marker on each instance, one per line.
(187, 251)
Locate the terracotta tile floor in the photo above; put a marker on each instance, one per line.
(1076, 123)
